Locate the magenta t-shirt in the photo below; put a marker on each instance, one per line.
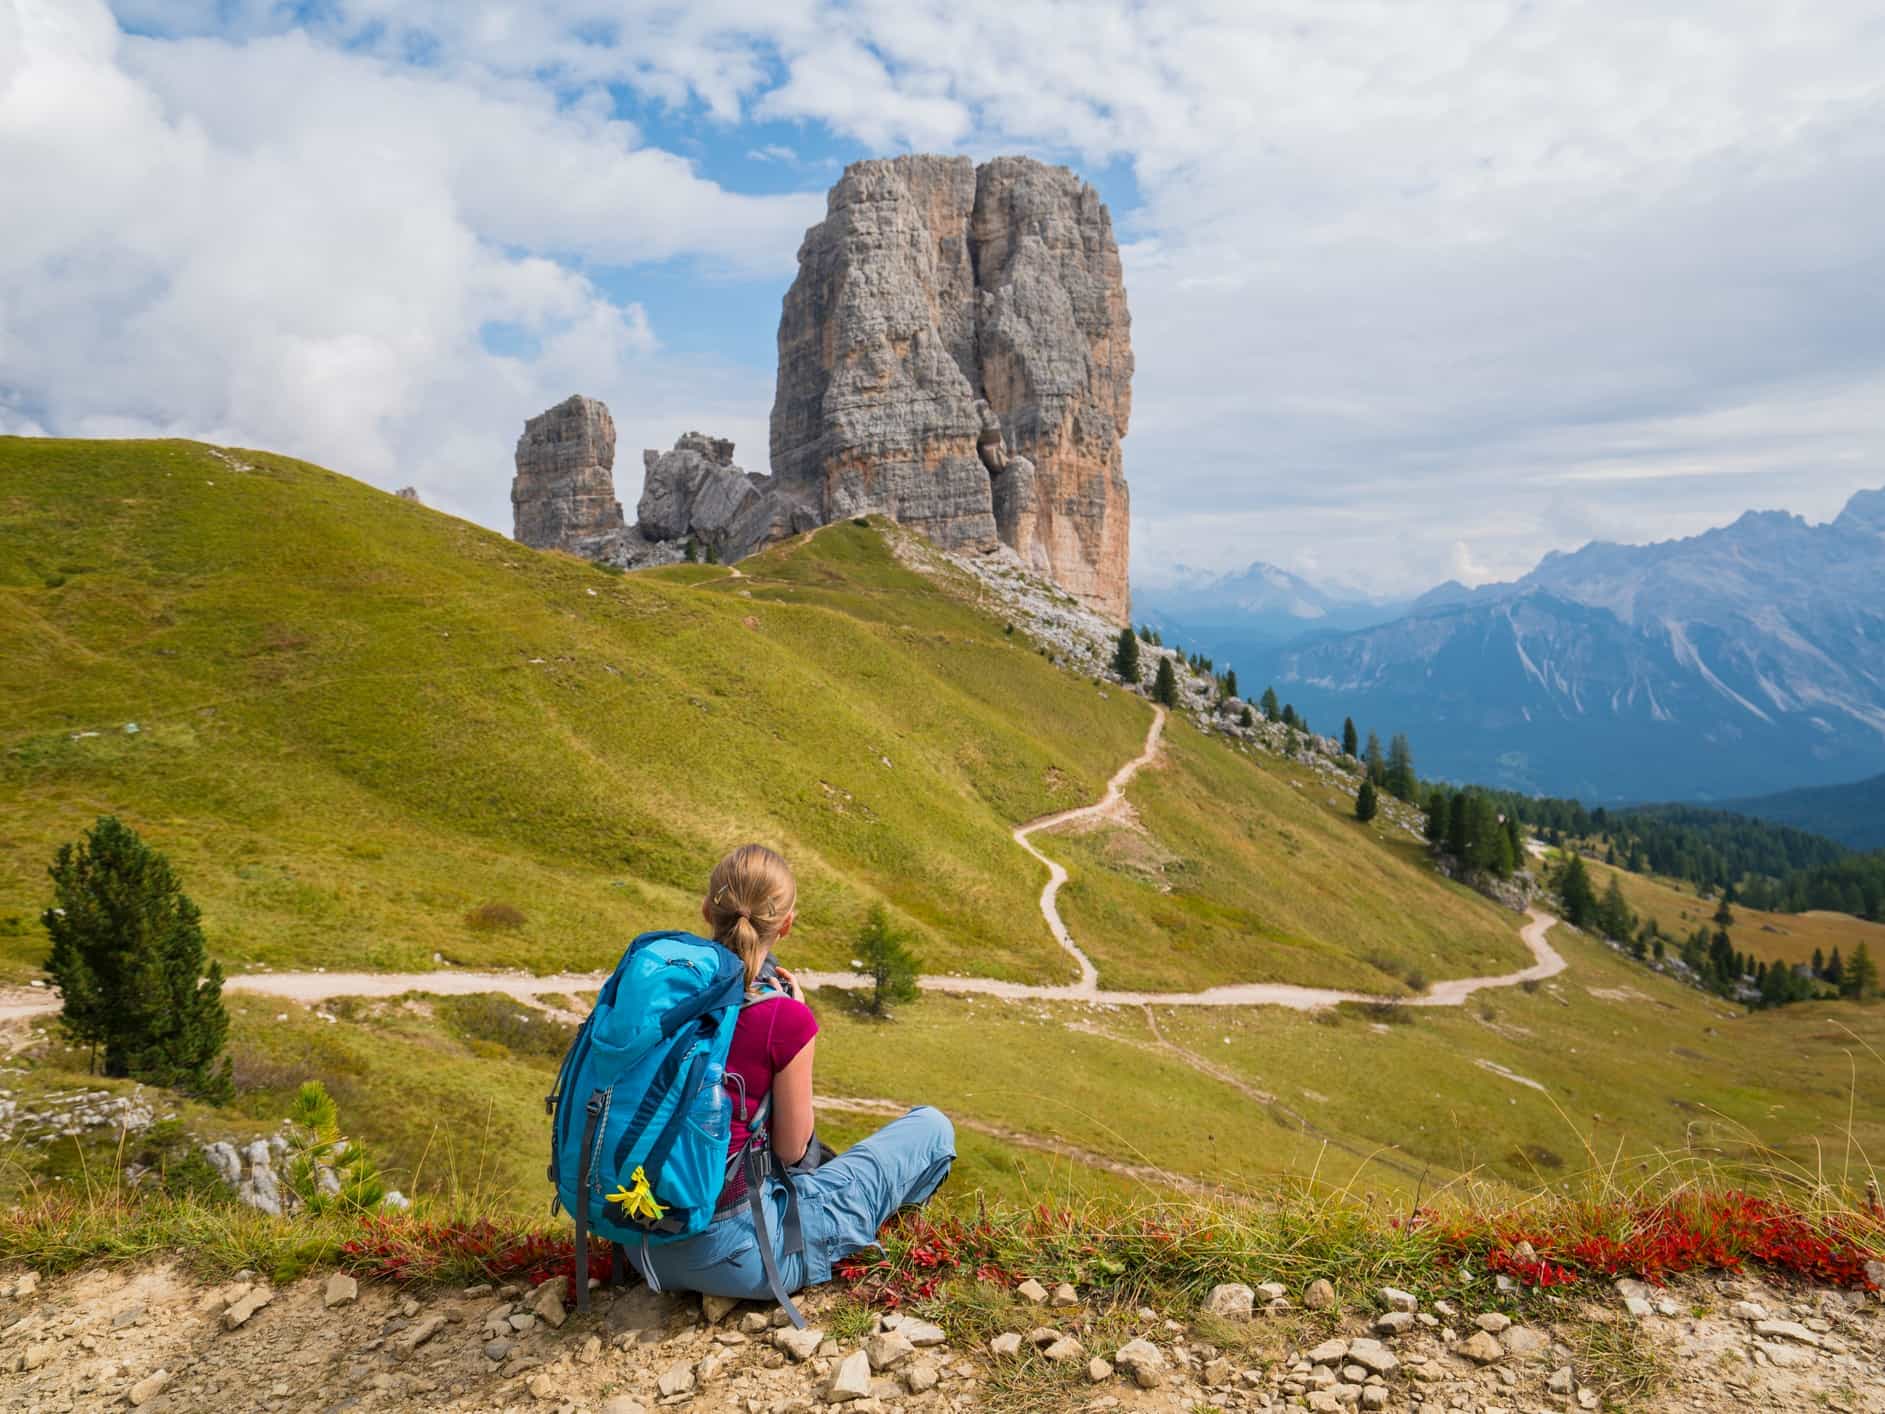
(765, 1039)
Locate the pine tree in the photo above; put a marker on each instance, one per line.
(1613, 914)
(1367, 802)
(1401, 781)
(1861, 977)
(1459, 825)
(1575, 893)
(1836, 970)
(888, 962)
(1290, 719)
(1819, 963)
(127, 956)
(1248, 718)
(1437, 808)
(1350, 742)
(1516, 838)
(1165, 687)
(1724, 915)
(1230, 682)
(1377, 761)
(1126, 658)
(1272, 709)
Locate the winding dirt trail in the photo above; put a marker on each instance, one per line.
(313, 987)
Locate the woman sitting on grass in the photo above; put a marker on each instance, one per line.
(749, 909)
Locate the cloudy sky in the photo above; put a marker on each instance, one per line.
(1418, 290)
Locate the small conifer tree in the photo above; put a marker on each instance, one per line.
(1230, 682)
(887, 959)
(128, 959)
(1367, 802)
(1126, 658)
(1272, 709)
(328, 1173)
(1249, 718)
(1165, 688)
(1860, 978)
(1351, 741)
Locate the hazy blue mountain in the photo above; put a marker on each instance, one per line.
(1852, 814)
(1742, 661)
(1242, 618)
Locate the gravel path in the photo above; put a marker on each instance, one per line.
(19, 1003)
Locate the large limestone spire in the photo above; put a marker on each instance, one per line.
(956, 352)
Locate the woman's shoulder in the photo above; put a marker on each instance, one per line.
(776, 1010)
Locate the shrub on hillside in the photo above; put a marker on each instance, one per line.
(884, 957)
(128, 959)
(502, 1021)
(492, 917)
(326, 1172)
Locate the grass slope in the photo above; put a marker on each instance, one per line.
(1249, 868)
(358, 719)
(1768, 937)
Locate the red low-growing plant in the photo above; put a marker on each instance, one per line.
(410, 1249)
(1660, 1238)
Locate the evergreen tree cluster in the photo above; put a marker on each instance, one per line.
(128, 960)
(1468, 825)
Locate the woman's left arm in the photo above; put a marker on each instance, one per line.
(792, 1105)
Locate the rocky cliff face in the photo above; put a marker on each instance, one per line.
(563, 497)
(956, 352)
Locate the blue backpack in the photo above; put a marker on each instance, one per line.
(640, 1121)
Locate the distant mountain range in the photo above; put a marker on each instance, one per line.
(1243, 617)
(1852, 814)
(1743, 661)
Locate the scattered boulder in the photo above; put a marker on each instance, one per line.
(246, 1306)
(851, 1380)
(1007, 1343)
(1482, 1349)
(1231, 1300)
(148, 1388)
(887, 1349)
(1032, 1292)
(1063, 1349)
(677, 1379)
(341, 1290)
(1144, 1361)
(1373, 1356)
(799, 1344)
(1099, 1371)
(1320, 1296)
(546, 1303)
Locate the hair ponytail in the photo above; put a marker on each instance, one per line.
(750, 895)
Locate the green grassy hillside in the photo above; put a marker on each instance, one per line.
(359, 720)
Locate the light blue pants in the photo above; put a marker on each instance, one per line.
(841, 1206)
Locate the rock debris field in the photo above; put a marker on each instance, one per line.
(157, 1341)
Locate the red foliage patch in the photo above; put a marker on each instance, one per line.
(1656, 1240)
(409, 1249)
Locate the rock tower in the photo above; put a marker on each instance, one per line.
(563, 497)
(956, 353)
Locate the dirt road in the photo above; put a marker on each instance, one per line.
(314, 987)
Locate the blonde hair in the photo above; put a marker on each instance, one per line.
(750, 895)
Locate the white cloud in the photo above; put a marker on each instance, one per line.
(200, 257)
(1402, 275)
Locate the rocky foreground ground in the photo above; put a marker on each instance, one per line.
(156, 1340)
